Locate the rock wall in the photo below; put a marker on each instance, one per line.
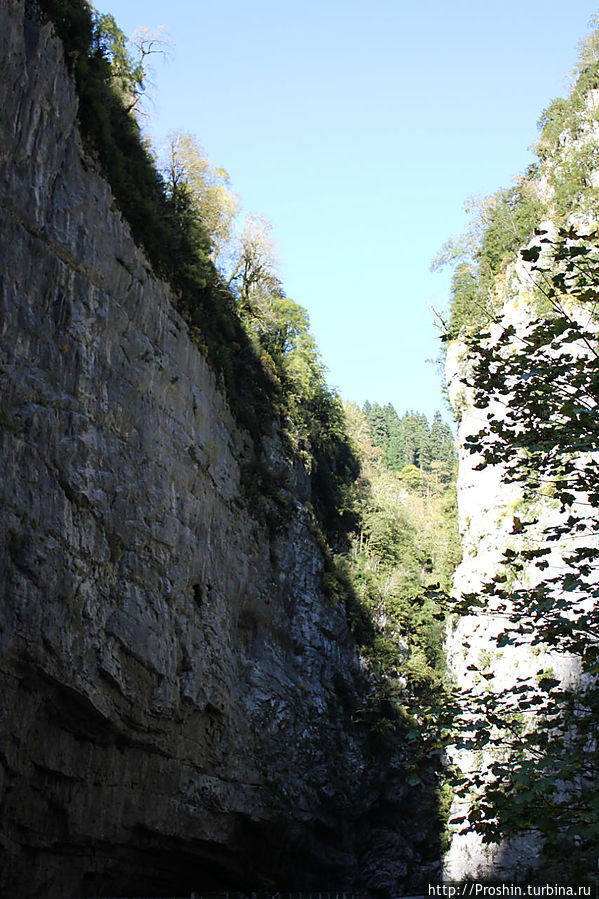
(556, 517)
(490, 509)
(175, 689)
(486, 506)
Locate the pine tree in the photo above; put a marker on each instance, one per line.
(377, 423)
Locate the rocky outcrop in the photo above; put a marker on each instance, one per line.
(176, 691)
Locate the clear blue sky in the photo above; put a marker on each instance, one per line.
(359, 128)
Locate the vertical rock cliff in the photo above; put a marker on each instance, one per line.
(532, 538)
(176, 691)
(490, 509)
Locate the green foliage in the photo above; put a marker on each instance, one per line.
(543, 735)
(335, 465)
(208, 188)
(568, 164)
(470, 303)
(339, 585)
(401, 563)
(127, 77)
(510, 218)
(393, 583)
(553, 122)
(279, 331)
(502, 223)
(571, 179)
(563, 119)
(421, 452)
(546, 772)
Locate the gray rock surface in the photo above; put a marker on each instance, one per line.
(175, 689)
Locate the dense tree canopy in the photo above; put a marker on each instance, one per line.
(401, 561)
(410, 445)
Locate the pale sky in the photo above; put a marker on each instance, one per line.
(359, 128)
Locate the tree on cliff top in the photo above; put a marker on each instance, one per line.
(209, 188)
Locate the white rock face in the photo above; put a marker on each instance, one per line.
(487, 506)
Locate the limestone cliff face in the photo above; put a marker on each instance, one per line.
(490, 509)
(170, 672)
(486, 507)
(497, 515)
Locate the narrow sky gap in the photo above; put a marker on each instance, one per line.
(359, 129)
